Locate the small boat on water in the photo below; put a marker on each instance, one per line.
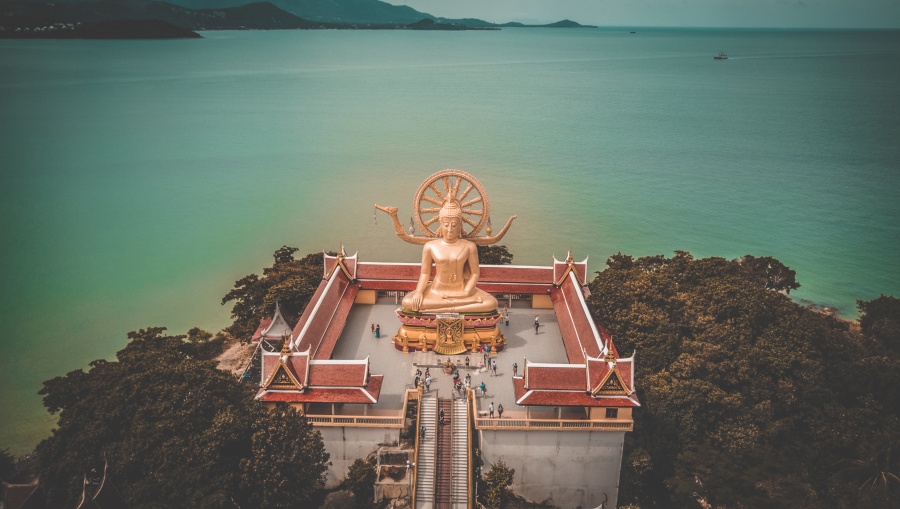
(721, 56)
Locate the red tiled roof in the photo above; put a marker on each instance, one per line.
(557, 376)
(581, 321)
(324, 305)
(18, 494)
(582, 398)
(402, 271)
(337, 374)
(567, 327)
(297, 364)
(599, 368)
(487, 273)
(337, 323)
(368, 394)
(263, 325)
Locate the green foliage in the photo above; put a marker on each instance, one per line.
(749, 400)
(769, 272)
(287, 462)
(494, 255)
(288, 281)
(176, 432)
(7, 466)
(496, 483)
(361, 477)
(880, 320)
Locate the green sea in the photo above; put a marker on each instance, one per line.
(140, 179)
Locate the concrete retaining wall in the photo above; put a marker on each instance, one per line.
(345, 445)
(573, 468)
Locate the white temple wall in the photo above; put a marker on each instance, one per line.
(574, 468)
(346, 444)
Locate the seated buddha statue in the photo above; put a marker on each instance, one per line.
(456, 271)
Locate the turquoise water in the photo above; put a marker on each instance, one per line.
(140, 179)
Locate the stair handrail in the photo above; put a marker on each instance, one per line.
(470, 468)
(434, 454)
(415, 473)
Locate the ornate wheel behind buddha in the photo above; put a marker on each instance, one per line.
(452, 184)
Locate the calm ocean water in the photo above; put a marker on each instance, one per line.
(140, 179)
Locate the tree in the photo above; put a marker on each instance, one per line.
(743, 391)
(496, 483)
(879, 319)
(771, 272)
(361, 477)
(494, 255)
(7, 466)
(287, 462)
(288, 281)
(174, 430)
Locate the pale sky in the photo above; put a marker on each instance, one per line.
(677, 13)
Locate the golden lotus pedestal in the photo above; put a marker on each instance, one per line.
(448, 333)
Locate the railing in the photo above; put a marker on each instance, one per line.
(359, 421)
(470, 425)
(365, 421)
(415, 479)
(551, 424)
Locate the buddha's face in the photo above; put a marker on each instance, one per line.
(450, 228)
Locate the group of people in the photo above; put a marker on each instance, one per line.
(458, 383)
(376, 330)
(499, 410)
(426, 382)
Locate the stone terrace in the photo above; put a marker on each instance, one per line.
(358, 342)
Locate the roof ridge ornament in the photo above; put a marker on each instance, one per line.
(430, 200)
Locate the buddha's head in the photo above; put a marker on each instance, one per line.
(450, 219)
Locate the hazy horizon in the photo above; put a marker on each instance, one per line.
(877, 14)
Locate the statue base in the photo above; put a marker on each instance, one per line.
(448, 333)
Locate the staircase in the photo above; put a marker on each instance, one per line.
(425, 468)
(443, 480)
(459, 496)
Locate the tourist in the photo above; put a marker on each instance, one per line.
(441, 417)
(422, 433)
(491, 409)
(537, 324)
(377, 331)
(468, 380)
(373, 329)
(500, 410)
(483, 389)
(427, 383)
(467, 362)
(515, 368)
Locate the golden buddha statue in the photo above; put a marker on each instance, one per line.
(450, 209)
(456, 271)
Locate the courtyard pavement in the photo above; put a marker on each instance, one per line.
(399, 369)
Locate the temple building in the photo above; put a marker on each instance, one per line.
(513, 369)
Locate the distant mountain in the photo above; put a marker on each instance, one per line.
(566, 23)
(359, 12)
(22, 14)
(238, 14)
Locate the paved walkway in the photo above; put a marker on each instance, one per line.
(357, 342)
